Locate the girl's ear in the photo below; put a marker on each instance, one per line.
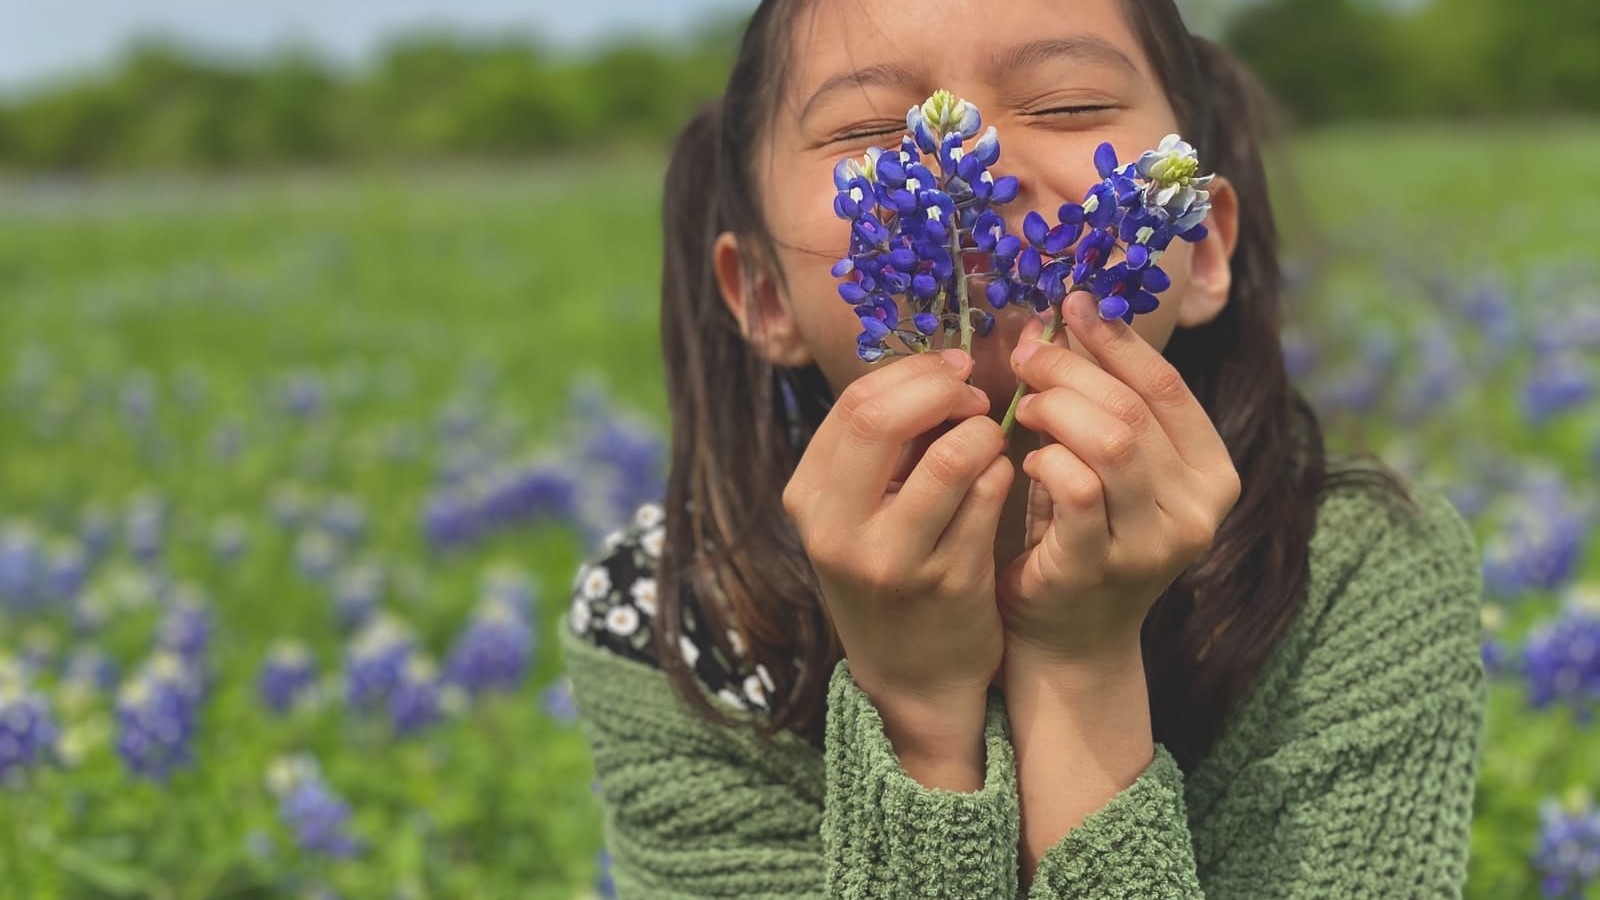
(1210, 272)
(758, 306)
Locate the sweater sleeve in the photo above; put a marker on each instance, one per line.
(695, 810)
(1363, 783)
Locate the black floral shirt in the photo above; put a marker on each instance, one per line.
(614, 607)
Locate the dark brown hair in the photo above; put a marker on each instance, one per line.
(739, 424)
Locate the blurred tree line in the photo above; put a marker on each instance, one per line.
(429, 96)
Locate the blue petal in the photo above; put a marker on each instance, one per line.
(1143, 302)
(1071, 214)
(923, 287)
(926, 322)
(852, 292)
(843, 267)
(1113, 307)
(987, 149)
(985, 323)
(1034, 228)
(1028, 265)
(1138, 256)
(970, 121)
(1105, 160)
(1195, 235)
(1156, 280)
(890, 172)
(1005, 189)
(998, 293)
(1008, 247)
(874, 328)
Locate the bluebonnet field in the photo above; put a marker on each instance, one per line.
(296, 472)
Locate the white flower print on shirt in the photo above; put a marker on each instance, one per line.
(580, 616)
(652, 541)
(736, 641)
(691, 653)
(597, 582)
(622, 620)
(644, 595)
(756, 686)
(732, 699)
(649, 515)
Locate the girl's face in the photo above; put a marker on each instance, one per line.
(1056, 77)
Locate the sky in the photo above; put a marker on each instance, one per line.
(43, 39)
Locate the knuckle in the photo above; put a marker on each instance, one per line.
(1117, 447)
(1127, 407)
(1165, 382)
(868, 420)
(947, 460)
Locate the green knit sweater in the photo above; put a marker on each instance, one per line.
(1346, 772)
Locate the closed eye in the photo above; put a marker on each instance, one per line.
(1071, 110)
(871, 132)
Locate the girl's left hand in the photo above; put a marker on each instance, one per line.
(1128, 494)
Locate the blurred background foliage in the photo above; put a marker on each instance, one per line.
(432, 95)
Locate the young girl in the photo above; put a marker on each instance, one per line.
(857, 653)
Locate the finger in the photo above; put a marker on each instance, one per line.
(1121, 457)
(1079, 519)
(911, 453)
(1122, 353)
(813, 477)
(977, 518)
(871, 422)
(1050, 368)
(940, 481)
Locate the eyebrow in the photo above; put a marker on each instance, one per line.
(1020, 56)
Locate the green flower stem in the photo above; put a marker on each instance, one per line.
(961, 291)
(1022, 386)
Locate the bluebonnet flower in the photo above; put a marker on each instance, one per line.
(66, 568)
(558, 702)
(146, 527)
(91, 668)
(308, 807)
(449, 520)
(286, 675)
(157, 713)
(494, 650)
(374, 660)
(96, 529)
(1567, 857)
(186, 628)
(1561, 662)
(1558, 383)
(604, 886)
(417, 699)
(1540, 542)
(21, 565)
(302, 394)
(346, 518)
(1438, 376)
(357, 590)
(511, 585)
(316, 555)
(28, 730)
(911, 229)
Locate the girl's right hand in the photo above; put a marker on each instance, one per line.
(908, 575)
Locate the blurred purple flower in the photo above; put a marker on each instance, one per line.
(1567, 857)
(286, 675)
(308, 807)
(157, 713)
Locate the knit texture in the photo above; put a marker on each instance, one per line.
(1347, 770)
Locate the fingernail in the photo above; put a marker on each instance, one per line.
(982, 394)
(954, 358)
(1025, 349)
(1080, 305)
(1025, 402)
